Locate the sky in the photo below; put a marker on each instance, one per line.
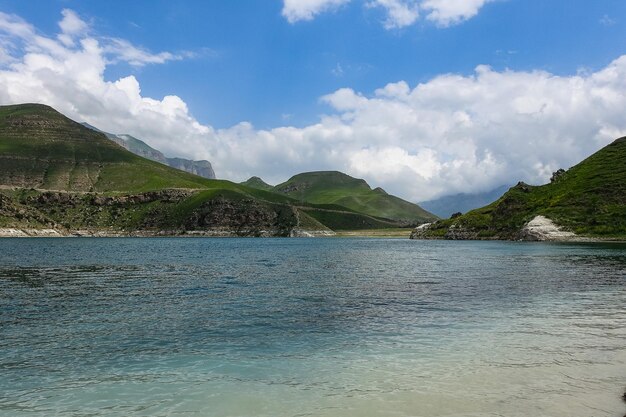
(424, 98)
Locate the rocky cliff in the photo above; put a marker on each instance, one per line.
(27, 212)
(201, 168)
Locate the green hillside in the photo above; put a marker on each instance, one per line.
(338, 189)
(140, 148)
(589, 199)
(258, 183)
(41, 148)
(56, 173)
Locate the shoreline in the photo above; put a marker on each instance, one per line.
(15, 232)
(538, 229)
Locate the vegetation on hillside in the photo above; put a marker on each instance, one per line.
(258, 183)
(589, 199)
(338, 189)
(41, 148)
(42, 151)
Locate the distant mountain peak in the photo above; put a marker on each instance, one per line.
(337, 188)
(202, 168)
(447, 205)
(258, 183)
(43, 149)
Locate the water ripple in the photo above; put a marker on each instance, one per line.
(321, 327)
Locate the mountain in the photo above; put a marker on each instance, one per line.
(338, 189)
(258, 183)
(201, 168)
(138, 147)
(588, 200)
(445, 207)
(60, 177)
(41, 148)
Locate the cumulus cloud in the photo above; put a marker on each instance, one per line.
(122, 50)
(449, 12)
(71, 25)
(400, 13)
(453, 133)
(296, 10)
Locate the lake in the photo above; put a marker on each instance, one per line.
(311, 327)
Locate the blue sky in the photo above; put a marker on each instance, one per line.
(493, 96)
(254, 65)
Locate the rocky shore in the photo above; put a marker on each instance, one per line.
(213, 232)
(539, 229)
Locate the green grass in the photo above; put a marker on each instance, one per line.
(589, 199)
(42, 149)
(345, 220)
(258, 183)
(341, 190)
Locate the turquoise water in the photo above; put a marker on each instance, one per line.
(310, 327)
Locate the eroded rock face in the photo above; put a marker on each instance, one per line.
(71, 199)
(456, 232)
(557, 175)
(202, 168)
(541, 228)
(420, 231)
(523, 187)
(245, 217)
(156, 213)
(294, 187)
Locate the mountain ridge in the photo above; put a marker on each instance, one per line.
(202, 168)
(448, 205)
(60, 175)
(338, 188)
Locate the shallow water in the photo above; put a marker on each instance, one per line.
(311, 327)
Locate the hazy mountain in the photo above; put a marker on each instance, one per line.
(138, 147)
(60, 175)
(444, 207)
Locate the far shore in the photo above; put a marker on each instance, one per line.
(397, 233)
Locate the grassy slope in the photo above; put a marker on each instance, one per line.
(258, 183)
(40, 148)
(168, 210)
(338, 189)
(589, 199)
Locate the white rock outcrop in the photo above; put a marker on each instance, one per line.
(543, 229)
(11, 232)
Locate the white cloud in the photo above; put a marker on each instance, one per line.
(71, 23)
(122, 50)
(400, 13)
(449, 12)
(453, 133)
(297, 10)
(606, 20)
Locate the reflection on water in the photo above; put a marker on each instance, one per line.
(320, 327)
